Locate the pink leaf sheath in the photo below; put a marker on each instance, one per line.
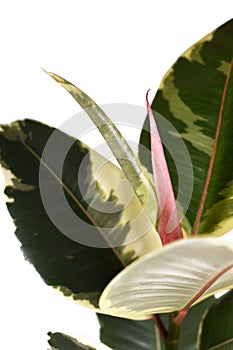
(168, 225)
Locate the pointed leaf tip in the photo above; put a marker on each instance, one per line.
(128, 161)
(56, 77)
(169, 227)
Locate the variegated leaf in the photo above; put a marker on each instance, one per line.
(129, 163)
(60, 341)
(174, 278)
(58, 252)
(195, 96)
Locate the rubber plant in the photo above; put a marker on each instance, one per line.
(150, 291)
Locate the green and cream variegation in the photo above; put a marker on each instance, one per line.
(79, 271)
(195, 96)
(181, 274)
(128, 161)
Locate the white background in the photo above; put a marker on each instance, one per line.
(113, 50)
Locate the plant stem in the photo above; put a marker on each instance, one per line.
(172, 340)
(159, 324)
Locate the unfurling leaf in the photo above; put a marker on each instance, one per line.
(169, 227)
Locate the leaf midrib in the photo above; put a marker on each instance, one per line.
(183, 312)
(213, 154)
(75, 199)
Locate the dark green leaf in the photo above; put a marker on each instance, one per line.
(123, 334)
(216, 330)
(195, 96)
(60, 341)
(190, 326)
(59, 255)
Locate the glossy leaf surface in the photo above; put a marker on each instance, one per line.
(191, 323)
(195, 97)
(122, 334)
(171, 279)
(216, 330)
(78, 270)
(129, 163)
